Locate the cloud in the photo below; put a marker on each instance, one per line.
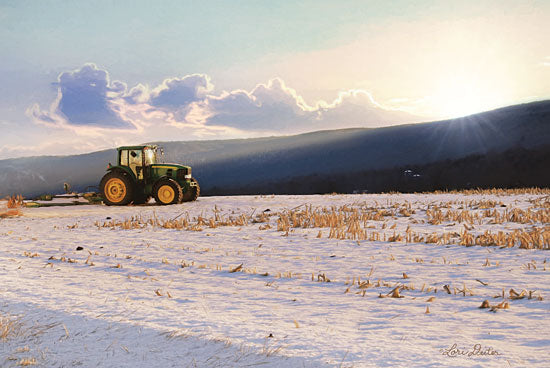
(86, 98)
(92, 112)
(271, 106)
(276, 107)
(90, 104)
(138, 94)
(358, 108)
(177, 93)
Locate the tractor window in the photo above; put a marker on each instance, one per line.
(135, 158)
(124, 158)
(150, 157)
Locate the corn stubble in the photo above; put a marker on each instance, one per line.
(385, 222)
(359, 222)
(13, 207)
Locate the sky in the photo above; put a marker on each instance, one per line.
(80, 76)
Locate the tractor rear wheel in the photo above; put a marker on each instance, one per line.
(193, 193)
(116, 189)
(167, 191)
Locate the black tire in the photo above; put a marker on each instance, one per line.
(193, 193)
(116, 189)
(167, 191)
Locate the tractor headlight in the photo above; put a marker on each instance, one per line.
(188, 176)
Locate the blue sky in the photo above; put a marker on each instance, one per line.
(173, 35)
(84, 75)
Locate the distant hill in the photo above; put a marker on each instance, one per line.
(514, 168)
(260, 164)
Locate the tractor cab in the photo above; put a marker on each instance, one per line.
(137, 158)
(138, 175)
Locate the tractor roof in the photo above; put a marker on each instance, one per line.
(152, 146)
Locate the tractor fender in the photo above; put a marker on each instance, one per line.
(123, 170)
(158, 181)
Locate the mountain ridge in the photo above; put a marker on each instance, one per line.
(248, 162)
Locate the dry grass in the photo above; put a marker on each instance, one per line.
(11, 213)
(10, 327)
(493, 308)
(396, 289)
(13, 205)
(184, 223)
(15, 201)
(27, 361)
(361, 222)
(489, 216)
(497, 191)
(346, 222)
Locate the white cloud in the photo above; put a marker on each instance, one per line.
(358, 108)
(91, 106)
(86, 98)
(180, 92)
(276, 107)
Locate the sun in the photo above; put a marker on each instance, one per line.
(462, 95)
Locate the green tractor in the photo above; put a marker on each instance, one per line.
(138, 176)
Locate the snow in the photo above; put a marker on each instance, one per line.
(125, 299)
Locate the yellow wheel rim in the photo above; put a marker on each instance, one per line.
(166, 194)
(115, 190)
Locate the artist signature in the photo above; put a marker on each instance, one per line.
(474, 351)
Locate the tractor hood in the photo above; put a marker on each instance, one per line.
(180, 172)
(170, 166)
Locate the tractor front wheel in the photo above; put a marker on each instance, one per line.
(167, 191)
(116, 189)
(192, 193)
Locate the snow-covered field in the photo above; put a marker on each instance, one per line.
(280, 281)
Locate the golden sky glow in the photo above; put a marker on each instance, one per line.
(439, 68)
